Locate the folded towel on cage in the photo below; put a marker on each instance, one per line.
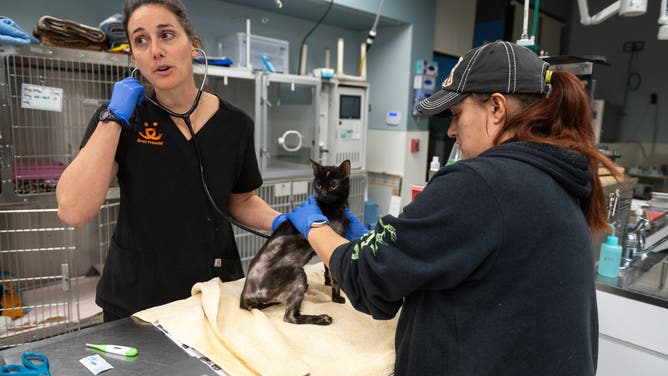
(11, 33)
(65, 33)
(259, 342)
(113, 29)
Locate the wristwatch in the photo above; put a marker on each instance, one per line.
(107, 115)
(319, 223)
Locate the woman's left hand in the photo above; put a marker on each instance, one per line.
(305, 215)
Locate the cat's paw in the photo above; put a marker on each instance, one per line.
(323, 320)
(338, 299)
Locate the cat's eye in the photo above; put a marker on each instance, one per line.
(318, 186)
(333, 187)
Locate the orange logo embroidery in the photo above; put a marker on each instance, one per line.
(150, 135)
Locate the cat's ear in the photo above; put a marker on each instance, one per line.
(315, 166)
(345, 166)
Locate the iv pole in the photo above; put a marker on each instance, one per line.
(525, 40)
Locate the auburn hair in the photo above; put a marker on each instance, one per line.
(564, 118)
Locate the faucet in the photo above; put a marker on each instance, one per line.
(633, 243)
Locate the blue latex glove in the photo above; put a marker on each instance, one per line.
(355, 228)
(127, 94)
(304, 215)
(278, 220)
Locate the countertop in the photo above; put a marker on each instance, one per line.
(624, 285)
(157, 354)
(632, 283)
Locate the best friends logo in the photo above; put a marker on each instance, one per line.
(150, 135)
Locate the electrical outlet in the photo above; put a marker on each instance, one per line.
(634, 46)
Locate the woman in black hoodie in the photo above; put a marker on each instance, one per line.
(492, 264)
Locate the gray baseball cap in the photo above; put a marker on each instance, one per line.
(498, 67)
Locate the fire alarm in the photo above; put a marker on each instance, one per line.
(415, 145)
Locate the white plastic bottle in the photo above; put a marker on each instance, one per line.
(434, 166)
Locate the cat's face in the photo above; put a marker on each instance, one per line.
(331, 183)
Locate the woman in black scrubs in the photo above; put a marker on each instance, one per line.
(168, 235)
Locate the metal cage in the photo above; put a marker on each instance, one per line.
(47, 96)
(37, 263)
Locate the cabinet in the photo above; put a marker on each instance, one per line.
(632, 337)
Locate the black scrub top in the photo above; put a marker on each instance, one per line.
(168, 236)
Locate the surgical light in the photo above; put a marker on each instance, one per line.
(663, 21)
(624, 8)
(632, 8)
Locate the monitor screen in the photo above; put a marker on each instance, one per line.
(350, 106)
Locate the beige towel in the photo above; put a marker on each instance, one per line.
(259, 342)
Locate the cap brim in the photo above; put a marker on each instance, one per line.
(440, 102)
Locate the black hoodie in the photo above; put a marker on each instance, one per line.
(491, 265)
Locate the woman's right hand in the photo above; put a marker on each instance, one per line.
(127, 94)
(355, 228)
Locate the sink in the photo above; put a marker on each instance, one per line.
(649, 283)
(656, 240)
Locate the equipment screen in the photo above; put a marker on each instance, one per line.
(350, 106)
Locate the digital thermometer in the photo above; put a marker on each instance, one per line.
(114, 349)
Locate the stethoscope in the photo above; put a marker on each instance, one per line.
(186, 119)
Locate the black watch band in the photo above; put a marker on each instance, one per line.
(107, 115)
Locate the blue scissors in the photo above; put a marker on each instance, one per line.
(34, 364)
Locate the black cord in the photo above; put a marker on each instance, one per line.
(186, 119)
(633, 80)
(301, 46)
(206, 187)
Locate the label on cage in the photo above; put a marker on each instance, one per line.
(299, 187)
(41, 97)
(282, 189)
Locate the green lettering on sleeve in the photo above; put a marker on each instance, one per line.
(372, 239)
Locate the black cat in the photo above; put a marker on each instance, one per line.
(276, 274)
